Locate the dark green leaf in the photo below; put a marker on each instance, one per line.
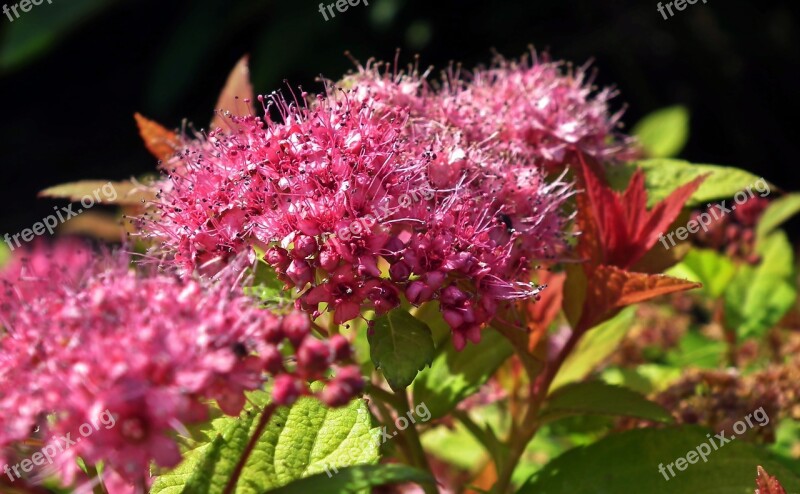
(628, 463)
(599, 398)
(37, 31)
(400, 345)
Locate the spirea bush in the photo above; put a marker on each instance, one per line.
(476, 282)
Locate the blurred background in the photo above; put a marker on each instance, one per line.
(72, 73)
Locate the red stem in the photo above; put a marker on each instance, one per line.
(262, 423)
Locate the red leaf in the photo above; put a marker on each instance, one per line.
(610, 289)
(161, 143)
(617, 229)
(237, 88)
(766, 484)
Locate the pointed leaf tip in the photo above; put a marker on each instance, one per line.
(237, 88)
(161, 142)
(767, 484)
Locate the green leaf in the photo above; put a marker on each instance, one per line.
(5, 254)
(663, 176)
(708, 267)
(355, 479)
(776, 213)
(599, 398)
(697, 350)
(400, 345)
(644, 378)
(758, 297)
(37, 31)
(664, 132)
(298, 441)
(787, 437)
(628, 463)
(594, 348)
(267, 288)
(455, 375)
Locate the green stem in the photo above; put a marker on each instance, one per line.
(540, 384)
(382, 398)
(413, 441)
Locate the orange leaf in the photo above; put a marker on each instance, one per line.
(766, 484)
(542, 313)
(161, 143)
(237, 87)
(610, 289)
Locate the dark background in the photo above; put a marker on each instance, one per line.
(73, 73)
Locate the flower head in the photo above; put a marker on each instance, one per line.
(146, 350)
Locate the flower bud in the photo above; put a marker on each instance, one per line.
(304, 246)
(399, 272)
(273, 360)
(277, 258)
(313, 358)
(300, 273)
(286, 389)
(296, 326)
(340, 348)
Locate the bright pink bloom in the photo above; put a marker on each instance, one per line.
(144, 351)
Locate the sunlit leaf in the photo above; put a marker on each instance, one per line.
(664, 133)
(758, 297)
(779, 211)
(596, 346)
(297, 442)
(708, 267)
(663, 176)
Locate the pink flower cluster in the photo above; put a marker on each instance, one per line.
(83, 335)
(479, 149)
(539, 110)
